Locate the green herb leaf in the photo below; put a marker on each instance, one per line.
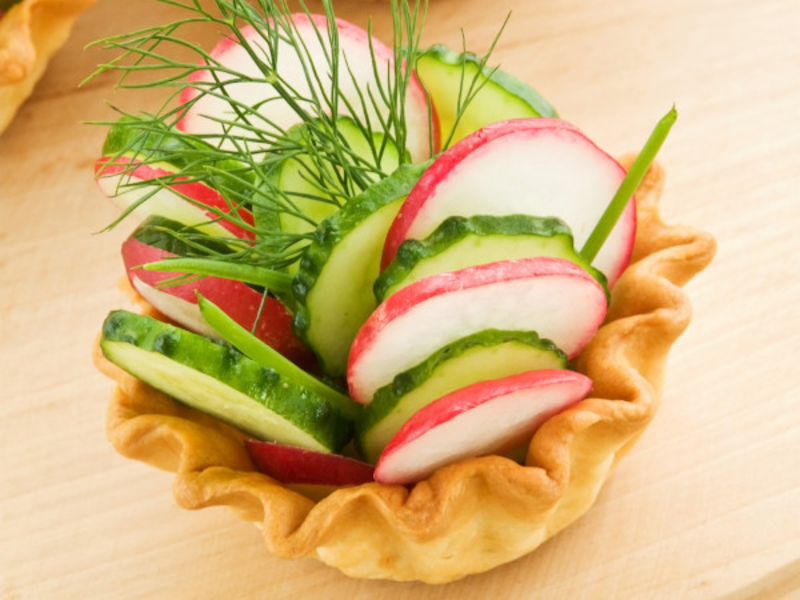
(237, 156)
(248, 344)
(243, 149)
(628, 186)
(275, 281)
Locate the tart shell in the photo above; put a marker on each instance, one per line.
(473, 515)
(30, 33)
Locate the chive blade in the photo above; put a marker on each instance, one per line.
(628, 186)
(276, 281)
(263, 353)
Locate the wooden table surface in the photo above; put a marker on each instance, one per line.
(708, 503)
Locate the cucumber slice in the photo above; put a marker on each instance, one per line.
(443, 72)
(552, 296)
(251, 346)
(308, 184)
(217, 379)
(489, 417)
(333, 286)
(488, 354)
(461, 242)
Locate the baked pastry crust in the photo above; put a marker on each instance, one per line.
(474, 515)
(30, 33)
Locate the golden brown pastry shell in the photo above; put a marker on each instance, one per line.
(474, 515)
(30, 33)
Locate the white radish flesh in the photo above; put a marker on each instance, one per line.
(543, 167)
(551, 296)
(361, 58)
(484, 418)
(192, 203)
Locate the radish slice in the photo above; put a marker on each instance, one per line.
(265, 316)
(551, 296)
(484, 418)
(290, 464)
(544, 167)
(187, 203)
(362, 60)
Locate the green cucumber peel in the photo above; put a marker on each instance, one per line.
(530, 96)
(403, 383)
(251, 346)
(428, 380)
(322, 268)
(470, 95)
(552, 234)
(628, 186)
(252, 138)
(212, 376)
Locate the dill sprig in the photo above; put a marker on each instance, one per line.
(240, 145)
(468, 90)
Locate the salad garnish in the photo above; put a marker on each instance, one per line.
(240, 156)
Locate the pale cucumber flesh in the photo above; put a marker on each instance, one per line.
(309, 183)
(217, 379)
(333, 287)
(461, 242)
(444, 73)
(551, 296)
(332, 328)
(250, 345)
(490, 354)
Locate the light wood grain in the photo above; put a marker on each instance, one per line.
(707, 505)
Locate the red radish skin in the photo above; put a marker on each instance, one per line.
(182, 202)
(551, 296)
(489, 417)
(288, 464)
(540, 166)
(241, 302)
(356, 46)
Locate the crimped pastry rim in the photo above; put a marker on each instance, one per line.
(474, 515)
(30, 33)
